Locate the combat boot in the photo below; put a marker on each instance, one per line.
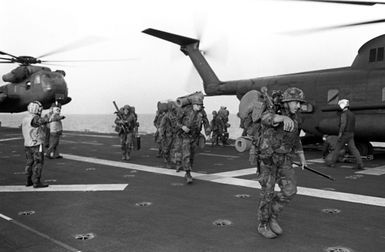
(29, 182)
(178, 167)
(265, 231)
(128, 157)
(123, 156)
(274, 226)
(188, 177)
(39, 185)
(168, 165)
(358, 167)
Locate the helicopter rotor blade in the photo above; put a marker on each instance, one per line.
(50, 64)
(90, 60)
(74, 45)
(4, 53)
(6, 62)
(6, 58)
(200, 24)
(367, 3)
(327, 28)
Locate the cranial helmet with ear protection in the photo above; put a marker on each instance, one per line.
(35, 108)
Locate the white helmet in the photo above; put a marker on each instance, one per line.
(343, 103)
(35, 107)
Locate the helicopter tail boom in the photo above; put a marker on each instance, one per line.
(190, 47)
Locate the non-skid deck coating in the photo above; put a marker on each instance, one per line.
(96, 202)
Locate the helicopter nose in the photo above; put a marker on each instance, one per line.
(56, 84)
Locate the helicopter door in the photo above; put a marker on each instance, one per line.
(333, 96)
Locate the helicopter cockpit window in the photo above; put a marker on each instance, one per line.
(380, 54)
(372, 55)
(376, 54)
(333, 96)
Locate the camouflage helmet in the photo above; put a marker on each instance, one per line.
(293, 94)
(197, 100)
(171, 105)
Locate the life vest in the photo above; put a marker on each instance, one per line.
(32, 136)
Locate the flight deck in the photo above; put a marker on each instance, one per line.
(97, 202)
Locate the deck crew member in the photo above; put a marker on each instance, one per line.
(33, 134)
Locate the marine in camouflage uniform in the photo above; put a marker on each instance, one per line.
(157, 120)
(279, 142)
(191, 120)
(136, 137)
(217, 127)
(167, 135)
(223, 115)
(126, 124)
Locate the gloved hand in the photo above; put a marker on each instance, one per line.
(288, 124)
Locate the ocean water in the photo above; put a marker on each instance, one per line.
(105, 123)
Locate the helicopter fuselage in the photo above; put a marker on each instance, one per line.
(44, 86)
(363, 83)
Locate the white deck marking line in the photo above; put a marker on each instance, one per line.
(206, 154)
(66, 188)
(77, 142)
(216, 155)
(59, 243)
(10, 139)
(380, 170)
(123, 165)
(237, 173)
(317, 160)
(5, 217)
(318, 193)
(312, 192)
(86, 135)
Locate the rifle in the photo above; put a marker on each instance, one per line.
(316, 172)
(268, 99)
(123, 126)
(273, 102)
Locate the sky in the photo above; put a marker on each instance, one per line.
(243, 39)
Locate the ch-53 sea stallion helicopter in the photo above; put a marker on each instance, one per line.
(32, 82)
(363, 83)
(28, 83)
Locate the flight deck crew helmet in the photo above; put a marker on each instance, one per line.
(293, 94)
(343, 103)
(35, 108)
